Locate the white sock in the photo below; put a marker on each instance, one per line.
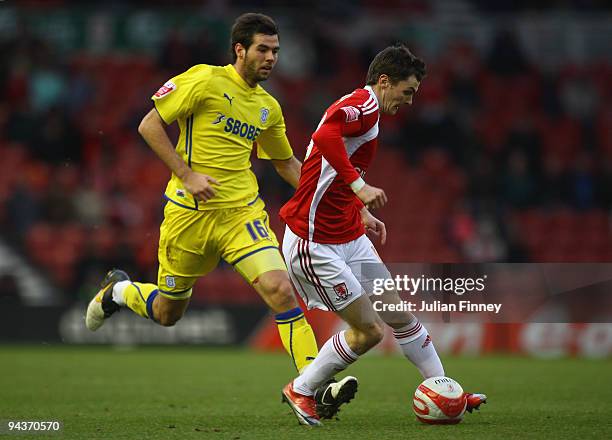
(118, 290)
(417, 346)
(334, 356)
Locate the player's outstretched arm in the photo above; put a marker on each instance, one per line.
(289, 170)
(153, 131)
(373, 225)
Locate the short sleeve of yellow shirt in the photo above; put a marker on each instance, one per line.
(272, 143)
(181, 95)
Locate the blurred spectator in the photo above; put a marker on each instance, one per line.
(175, 56)
(581, 181)
(506, 57)
(486, 245)
(326, 50)
(553, 187)
(47, 88)
(461, 226)
(518, 187)
(205, 50)
(89, 205)
(483, 181)
(57, 139)
(24, 209)
(579, 97)
(80, 92)
(179, 52)
(604, 184)
(298, 56)
(523, 135)
(19, 123)
(464, 67)
(58, 205)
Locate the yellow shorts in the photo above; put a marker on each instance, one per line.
(192, 242)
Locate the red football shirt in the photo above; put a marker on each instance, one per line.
(324, 208)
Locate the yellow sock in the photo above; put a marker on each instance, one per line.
(139, 297)
(298, 337)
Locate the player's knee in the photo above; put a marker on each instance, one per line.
(279, 295)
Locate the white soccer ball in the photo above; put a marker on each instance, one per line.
(439, 400)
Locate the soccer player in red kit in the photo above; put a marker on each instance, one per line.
(325, 242)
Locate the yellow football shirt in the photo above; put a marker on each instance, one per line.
(220, 117)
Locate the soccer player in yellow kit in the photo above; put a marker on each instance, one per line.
(213, 207)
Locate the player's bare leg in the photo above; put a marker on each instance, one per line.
(296, 334)
(275, 289)
(167, 312)
(366, 328)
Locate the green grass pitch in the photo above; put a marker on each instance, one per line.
(191, 393)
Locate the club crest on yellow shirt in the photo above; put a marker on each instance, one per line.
(263, 115)
(167, 88)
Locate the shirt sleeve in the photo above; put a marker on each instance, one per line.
(272, 143)
(181, 95)
(328, 139)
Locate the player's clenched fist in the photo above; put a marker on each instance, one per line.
(200, 185)
(373, 225)
(372, 197)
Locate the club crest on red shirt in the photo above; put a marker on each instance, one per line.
(342, 292)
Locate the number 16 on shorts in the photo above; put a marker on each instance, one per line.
(257, 230)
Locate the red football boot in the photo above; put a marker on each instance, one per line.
(474, 400)
(304, 407)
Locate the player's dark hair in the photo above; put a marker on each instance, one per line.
(246, 26)
(398, 63)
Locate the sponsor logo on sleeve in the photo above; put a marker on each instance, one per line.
(351, 113)
(263, 115)
(164, 90)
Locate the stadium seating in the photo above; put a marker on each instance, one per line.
(114, 207)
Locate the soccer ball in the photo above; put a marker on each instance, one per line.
(439, 400)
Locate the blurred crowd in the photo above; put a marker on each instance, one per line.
(498, 159)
